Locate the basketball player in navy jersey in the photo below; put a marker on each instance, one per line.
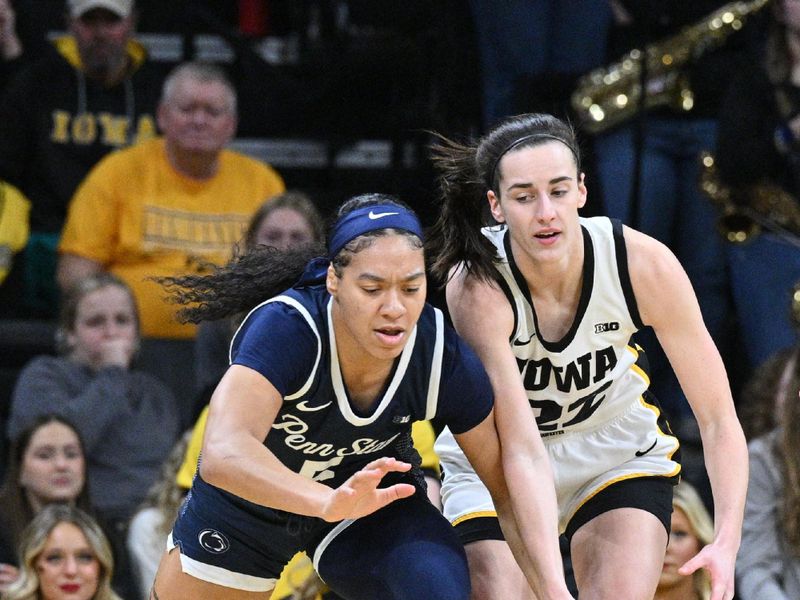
(308, 445)
(549, 301)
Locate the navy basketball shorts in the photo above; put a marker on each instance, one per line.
(232, 546)
(406, 550)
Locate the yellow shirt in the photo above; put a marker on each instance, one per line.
(140, 218)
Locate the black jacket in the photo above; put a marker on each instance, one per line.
(56, 124)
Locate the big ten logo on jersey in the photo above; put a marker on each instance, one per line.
(112, 130)
(603, 327)
(587, 370)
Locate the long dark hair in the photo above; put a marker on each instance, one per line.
(17, 510)
(787, 451)
(466, 173)
(773, 383)
(236, 288)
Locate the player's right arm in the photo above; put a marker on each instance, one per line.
(234, 458)
(482, 316)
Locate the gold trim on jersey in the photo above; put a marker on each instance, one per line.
(635, 366)
(474, 515)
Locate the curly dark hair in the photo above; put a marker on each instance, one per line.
(787, 451)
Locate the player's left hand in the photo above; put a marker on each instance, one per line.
(360, 495)
(720, 563)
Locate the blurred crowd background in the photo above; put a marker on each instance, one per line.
(688, 114)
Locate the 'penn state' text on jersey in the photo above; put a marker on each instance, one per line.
(592, 372)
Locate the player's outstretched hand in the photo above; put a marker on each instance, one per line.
(720, 565)
(360, 495)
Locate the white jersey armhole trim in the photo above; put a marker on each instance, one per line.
(338, 383)
(307, 316)
(436, 368)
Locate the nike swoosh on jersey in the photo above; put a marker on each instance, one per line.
(303, 406)
(524, 342)
(374, 215)
(643, 452)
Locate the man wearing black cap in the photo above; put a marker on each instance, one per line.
(91, 93)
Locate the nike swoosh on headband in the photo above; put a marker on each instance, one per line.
(374, 215)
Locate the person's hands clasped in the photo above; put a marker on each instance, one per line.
(8, 575)
(116, 352)
(720, 565)
(360, 495)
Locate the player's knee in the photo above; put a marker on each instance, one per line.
(438, 576)
(430, 575)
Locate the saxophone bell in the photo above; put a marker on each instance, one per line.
(611, 95)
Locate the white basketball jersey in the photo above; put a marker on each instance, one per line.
(591, 374)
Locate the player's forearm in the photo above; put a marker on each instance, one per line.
(726, 459)
(533, 519)
(248, 470)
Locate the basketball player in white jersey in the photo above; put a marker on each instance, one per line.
(549, 301)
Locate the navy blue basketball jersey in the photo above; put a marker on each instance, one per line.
(318, 433)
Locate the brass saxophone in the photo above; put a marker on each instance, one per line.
(746, 213)
(611, 95)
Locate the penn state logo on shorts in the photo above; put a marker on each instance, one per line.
(213, 541)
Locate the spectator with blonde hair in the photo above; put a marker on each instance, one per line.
(63, 555)
(151, 524)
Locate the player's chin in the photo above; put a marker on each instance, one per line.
(381, 352)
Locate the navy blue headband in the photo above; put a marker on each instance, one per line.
(356, 223)
(518, 142)
(370, 218)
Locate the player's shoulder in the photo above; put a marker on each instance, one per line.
(294, 305)
(646, 255)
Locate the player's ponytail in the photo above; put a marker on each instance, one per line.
(240, 285)
(463, 209)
